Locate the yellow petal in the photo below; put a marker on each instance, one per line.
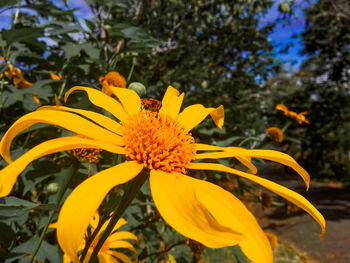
(235, 152)
(218, 116)
(66, 259)
(106, 258)
(121, 244)
(95, 220)
(57, 101)
(9, 174)
(282, 158)
(102, 100)
(53, 225)
(124, 258)
(100, 119)
(36, 99)
(171, 102)
(245, 155)
(67, 120)
(120, 223)
(121, 235)
(195, 114)
(175, 197)
(129, 99)
(288, 194)
(281, 107)
(84, 201)
(55, 77)
(230, 211)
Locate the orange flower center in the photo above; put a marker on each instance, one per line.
(158, 141)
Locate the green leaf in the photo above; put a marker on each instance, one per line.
(13, 206)
(4, 3)
(22, 34)
(71, 50)
(128, 31)
(58, 28)
(46, 252)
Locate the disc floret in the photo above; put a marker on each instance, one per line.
(158, 141)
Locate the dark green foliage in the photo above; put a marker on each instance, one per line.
(321, 87)
(212, 50)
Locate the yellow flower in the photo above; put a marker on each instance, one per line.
(275, 134)
(16, 75)
(160, 142)
(56, 77)
(299, 117)
(112, 79)
(116, 240)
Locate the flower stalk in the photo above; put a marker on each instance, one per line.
(52, 212)
(132, 189)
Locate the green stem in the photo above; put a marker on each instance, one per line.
(132, 189)
(90, 240)
(52, 212)
(246, 140)
(17, 12)
(1, 89)
(287, 138)
(61, 90)
(286, 126)
(132, 68)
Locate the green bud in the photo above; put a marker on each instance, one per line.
(52, 188)
(139, 88)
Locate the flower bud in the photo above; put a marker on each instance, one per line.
(139, 88)
(52, 188)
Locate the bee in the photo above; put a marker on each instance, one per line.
(151, 105)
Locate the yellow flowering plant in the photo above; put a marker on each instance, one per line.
(275, 133)
(156, 142)
(298, 117)
(108, 252)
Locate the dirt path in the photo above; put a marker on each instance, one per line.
(301, 230)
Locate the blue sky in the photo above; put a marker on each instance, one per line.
(285, 34)
(282, 35)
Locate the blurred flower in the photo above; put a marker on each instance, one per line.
(56, 77)
(171, 259)
(292, 208)
(16, 75)
(107, 253)
(36, 99)
(299, 117)
(275, 134)
(159, 141)
(281, 107)
(196, 250)
(273, 239)
(112, 79)
(265, 199)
